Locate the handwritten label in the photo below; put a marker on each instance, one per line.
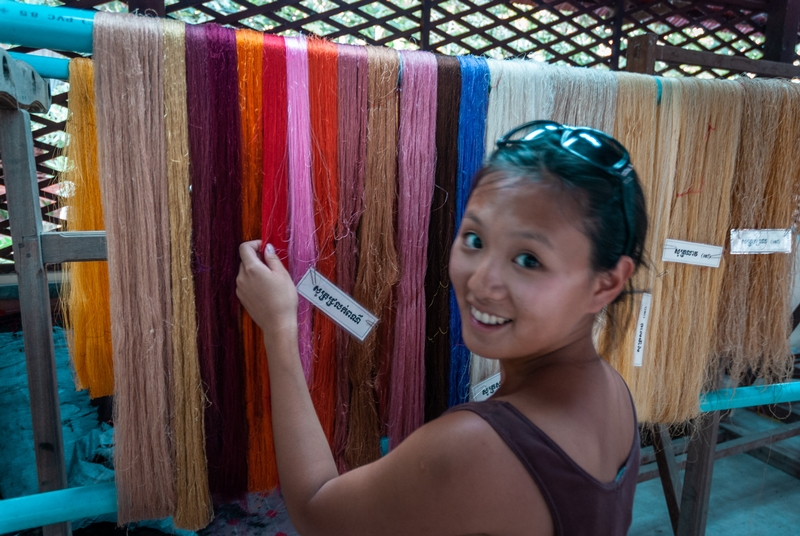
(760, 241)
(692, 253)
(486, 388)
(337, 305)
(641, 330)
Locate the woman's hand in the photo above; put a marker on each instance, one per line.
(266, 289)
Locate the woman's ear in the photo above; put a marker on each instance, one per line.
(610, 283)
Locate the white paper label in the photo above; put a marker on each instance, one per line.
(641, 330)
(337, 305)
(758, 241)
(692, 253)
(486, 388)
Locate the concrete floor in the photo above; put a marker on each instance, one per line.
(748, 497)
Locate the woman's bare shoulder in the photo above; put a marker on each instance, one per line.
(454, 475)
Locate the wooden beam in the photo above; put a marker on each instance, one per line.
(672, 54)
(782, 22)
(641, 54)
(16, 145)
(74, 246)
(669, 472)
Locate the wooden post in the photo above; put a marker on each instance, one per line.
(22, 192)
(641, 54)
(782, 23)
(669, 472)
(425, 26)
(697, 481)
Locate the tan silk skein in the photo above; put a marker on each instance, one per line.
(129, 89)
(84, 295)
(193, 510)
(681, 337)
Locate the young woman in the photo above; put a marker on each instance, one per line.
(552, 233)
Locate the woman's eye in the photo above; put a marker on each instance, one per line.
(472, 241)
(526, 260)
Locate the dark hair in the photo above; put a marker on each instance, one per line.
(597, 192)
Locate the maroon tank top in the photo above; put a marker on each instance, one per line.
(579, 503)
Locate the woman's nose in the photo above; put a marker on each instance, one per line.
(487, 282)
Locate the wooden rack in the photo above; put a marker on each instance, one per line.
(687, 501)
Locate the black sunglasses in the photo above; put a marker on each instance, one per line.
(592, 146)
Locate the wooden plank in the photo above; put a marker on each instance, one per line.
(710, 60)
(697, 481)
(669, 472)
(679, 447)
(781, 32)
(641, 54)
(16, 145)
(74, 246)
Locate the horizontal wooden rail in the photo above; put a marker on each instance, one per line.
(74, 246)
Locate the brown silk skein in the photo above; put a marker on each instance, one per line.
(378, 269)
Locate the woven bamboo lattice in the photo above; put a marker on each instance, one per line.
(580, 33)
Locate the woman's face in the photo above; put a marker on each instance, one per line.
(521, 270)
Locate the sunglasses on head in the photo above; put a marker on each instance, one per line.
(590, 145)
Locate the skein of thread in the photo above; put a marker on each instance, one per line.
(475, 81)
(416, 176)
(352, 107)
(263, 470)
(761, 115)
(249, 53)
(193, 509)
(129, 61)
(585, 97)
(377, 269)
(521, 91)
(323, 75)
(228, 473)
(757, 338)
(683, 340)
(302, 242)
(440, 237)
(84, 294)
(636, 127)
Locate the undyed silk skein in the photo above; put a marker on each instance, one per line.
(193, 509)
(302, 241)
(440, 238)
(415, 172)
(683, 335)
(323, 74)
(521, 91)
(757, 337)
(760, 117)
(378, 269)
(262, 467)
(584, 97)
(352, 111)
(475, 80)
(85, 284)
(637, 128)
(129, 61)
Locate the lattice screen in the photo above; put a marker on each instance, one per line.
(580, 33)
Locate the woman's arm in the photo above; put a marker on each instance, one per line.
(452, 476)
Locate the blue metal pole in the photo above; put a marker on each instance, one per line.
(55, 28)
(46, 67)
(745, 397)
(42, 509)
